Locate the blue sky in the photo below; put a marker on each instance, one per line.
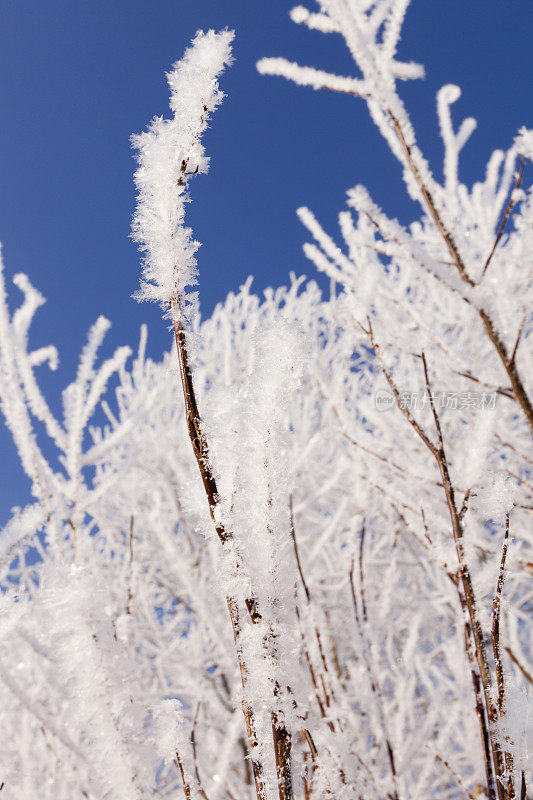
(77, 77)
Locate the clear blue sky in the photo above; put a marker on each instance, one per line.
(77, 77)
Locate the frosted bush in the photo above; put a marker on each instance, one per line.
(323, 522)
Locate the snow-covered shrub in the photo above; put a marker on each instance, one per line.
(343, 554)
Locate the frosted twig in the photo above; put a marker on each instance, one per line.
(525, 672)
(376, 691)
(505, 217)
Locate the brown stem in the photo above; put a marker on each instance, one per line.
(361, 572)
(281, 736)
(527, 675)
(430, 203)
(509, 365)
(309, 739)
(455, 775)
(505, 217)
(282, 752)
(297, 553)
(186, 786)
(200, 449)
(517, 341)
(192, 417)
(473, 634)
(496, 610)
(327, 692)
(247, 711)
(130, 578)
(245, 761)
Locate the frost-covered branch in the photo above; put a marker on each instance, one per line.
(368, 477)
(170, 265)
(371, 32)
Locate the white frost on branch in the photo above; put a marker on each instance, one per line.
(317, 22)
(309, 76)
(119, 675)
(168, 153)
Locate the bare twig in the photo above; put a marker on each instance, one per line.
(394, 389)
(296, 552)
(400, 468)
(464, 507)
(130, 579)
(509, 365)
(517, 342)
(502, 391)
(185, 785)
(361, 572)
(496, 610)
(327, 692)
(456, 777)
(505, 217)
(495, 636)
(430, 203)
(309, 739)
(527, 675)
(201, 790)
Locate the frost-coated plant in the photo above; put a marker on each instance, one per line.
(313, 511)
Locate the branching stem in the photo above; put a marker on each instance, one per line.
(281, 736)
